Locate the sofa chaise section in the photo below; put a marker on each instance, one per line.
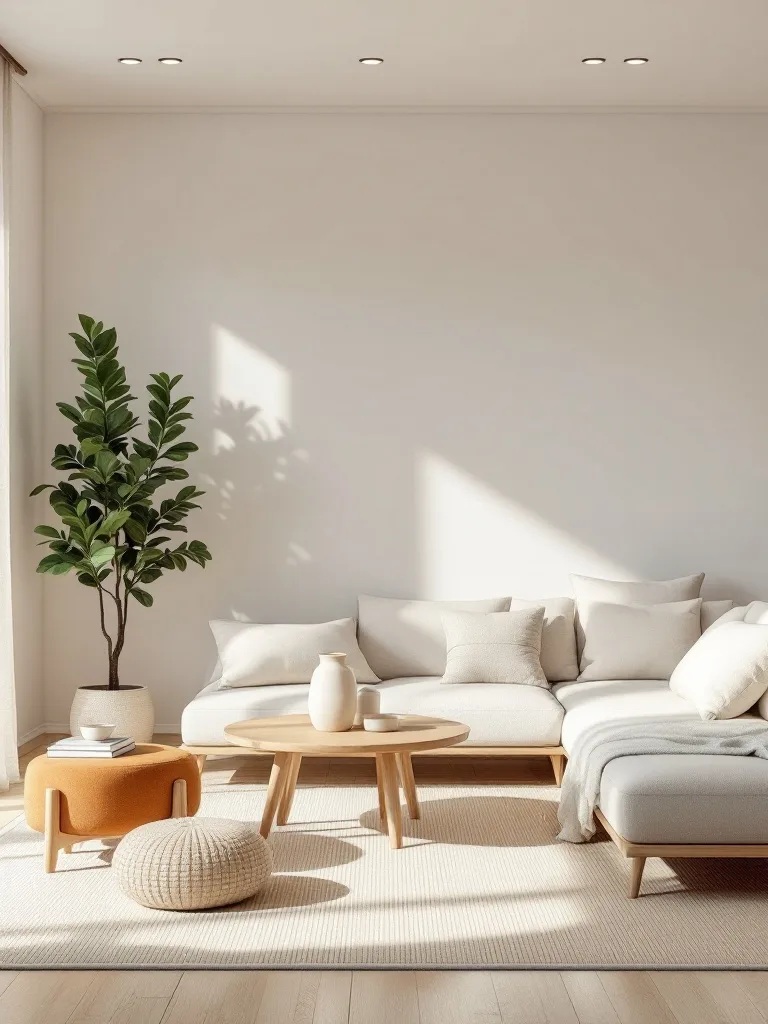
(667, 805)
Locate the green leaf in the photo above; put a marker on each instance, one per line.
(104, 554)
(91, 445)
(47, 563)
(61, 569)
(86, 580)
(105, 341)
(48, 531)
(83, 345)
(179, 452)
(114, 522)
(69, 411)
(142, 596)
(86, 322)
(40, 488)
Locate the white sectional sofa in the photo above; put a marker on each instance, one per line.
(651, 805)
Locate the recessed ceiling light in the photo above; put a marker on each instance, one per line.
(169, 60)
(371, 60)
(129, 60)
(593, 60)
(635, 60)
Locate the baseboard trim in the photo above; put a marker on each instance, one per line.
(31, 735)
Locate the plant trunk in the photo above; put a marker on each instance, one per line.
(114, 677)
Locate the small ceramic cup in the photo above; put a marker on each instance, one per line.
(368, 703)
(96, 732)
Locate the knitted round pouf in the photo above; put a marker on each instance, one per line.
(192, 863)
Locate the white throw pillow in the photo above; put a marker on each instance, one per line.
(732, 615)
(590, 589)
(255, 654)
(638, 641)
(726, 672)
(499, 647)
(711, 611)
(756, 613)
(406, 638)
(558, 638)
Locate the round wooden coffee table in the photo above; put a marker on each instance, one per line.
(291, 737)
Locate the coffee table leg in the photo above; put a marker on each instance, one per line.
(380, 785)
(284, 808)
(392, 794)
(409, 784)
(277, 781)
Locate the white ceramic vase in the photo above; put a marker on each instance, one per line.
(129, 709)
(332, 694)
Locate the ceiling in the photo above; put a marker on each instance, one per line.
(438, 53)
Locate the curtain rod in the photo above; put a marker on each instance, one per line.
(18, 68)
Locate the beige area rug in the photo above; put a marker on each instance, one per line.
(481, 882)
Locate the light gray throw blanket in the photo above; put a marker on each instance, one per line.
(581, 784)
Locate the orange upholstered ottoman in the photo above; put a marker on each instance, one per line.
(73, 799)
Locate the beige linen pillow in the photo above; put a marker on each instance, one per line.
(590, 589)
(711, 611)
(255, 654)
(726, 672)
(401, 638)
(558, 638)
(638, 641)
(499, 647)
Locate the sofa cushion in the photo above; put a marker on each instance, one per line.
(507, 715)
(592, 704)
(711, 611)
(726, 672)
(495, 647)
(558, 637)
(406, 638)
(256, 654)
(687, 798)
(589, 589)
(637, 641)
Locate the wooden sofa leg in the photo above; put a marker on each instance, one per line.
(52, 829)
(558, 767)
(200, 758)
(637, 865)
(179, 799)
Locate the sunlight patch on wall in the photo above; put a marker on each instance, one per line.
(251, 391)
(475, 542)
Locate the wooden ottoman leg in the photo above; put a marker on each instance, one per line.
(52, 830)
(392, 792)
(636, 876)
(277, 781)
(179, 799)
(380, 787)
(286, 801)
(409, 784)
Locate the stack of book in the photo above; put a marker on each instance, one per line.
(76, 746)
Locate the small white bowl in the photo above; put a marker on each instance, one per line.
(96, 732)
(381, 723)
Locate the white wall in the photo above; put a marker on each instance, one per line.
(26, 282)
(433, 355)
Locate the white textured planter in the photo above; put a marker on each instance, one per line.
(332, 694)
(129, 709)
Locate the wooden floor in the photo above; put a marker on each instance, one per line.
(377, 997)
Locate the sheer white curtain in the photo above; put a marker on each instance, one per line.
(9, 762)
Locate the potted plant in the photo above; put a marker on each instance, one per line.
(115, 533)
